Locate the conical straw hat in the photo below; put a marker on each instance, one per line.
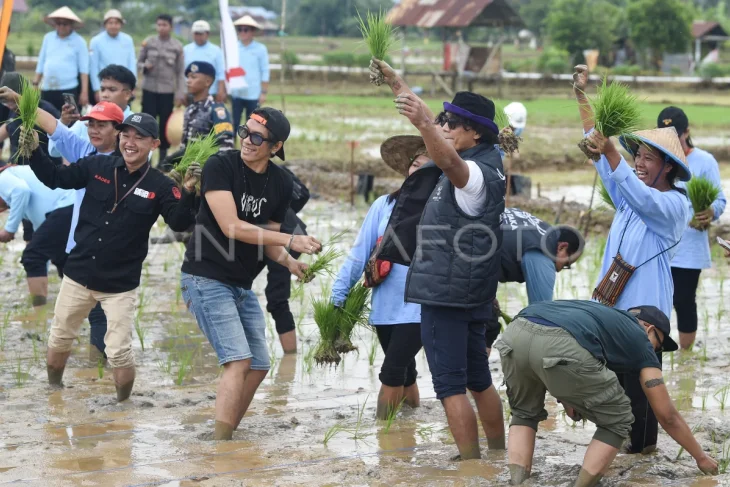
(665, 140)
(64, 13)
(398, 152)
(248, 21)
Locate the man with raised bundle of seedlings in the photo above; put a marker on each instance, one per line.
(124, 197)
(573, 350)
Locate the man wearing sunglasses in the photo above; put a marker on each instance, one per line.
(574, 349)
(244, 201)
(448, 214)
(254, 59)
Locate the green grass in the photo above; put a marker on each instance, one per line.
(198, 150)
(702, 193)
(378, 35)
(616, 109)
(28, 113)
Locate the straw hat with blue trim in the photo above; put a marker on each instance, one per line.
(663, 139)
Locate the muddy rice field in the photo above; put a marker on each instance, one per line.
(307, 425)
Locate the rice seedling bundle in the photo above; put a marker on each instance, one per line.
(28, 114)
(354, 311)
(323, 263)
(702, 193)
(198, 150)
(327, 318)
(508, 141)
(379, 36)
(615, 111)
(605, 197)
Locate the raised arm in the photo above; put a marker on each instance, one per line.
(396, 83)
(652, 383)
(580, 82)
(353, 267)
(441, 151)
(74, 176)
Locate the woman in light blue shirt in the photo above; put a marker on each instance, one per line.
(64, 57)
(652, 214)
(254, 59)
(693, 252)
(397, 323)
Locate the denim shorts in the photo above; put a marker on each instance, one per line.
(230, 317)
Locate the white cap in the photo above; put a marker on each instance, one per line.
(200, 27)
(113, 14)
(247, 20)
(517, 114)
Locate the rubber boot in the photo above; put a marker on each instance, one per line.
(55, 365)
(124, 381)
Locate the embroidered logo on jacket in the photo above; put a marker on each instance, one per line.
(144, 194)
(102, 179)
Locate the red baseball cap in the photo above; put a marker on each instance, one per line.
(105, 111)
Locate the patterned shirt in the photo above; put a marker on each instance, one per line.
(203, 116)
(168, 72)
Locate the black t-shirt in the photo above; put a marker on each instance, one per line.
(612, 336)
(260, 198)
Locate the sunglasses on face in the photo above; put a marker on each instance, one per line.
(453, 121)
(244, 29)
(256, 139)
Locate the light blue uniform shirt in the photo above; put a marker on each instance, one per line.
(656, 221)
(387, 303)
(105, 50)
(209, 53)
(693, 252)
(254, 59)
(81, 130)
(61, 60)
(69, 144)
(28, 198)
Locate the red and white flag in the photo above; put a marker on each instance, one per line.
(229, 43)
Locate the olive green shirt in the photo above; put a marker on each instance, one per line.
(168, 72)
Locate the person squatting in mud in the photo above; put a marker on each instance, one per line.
(455, 284)
(124, 198)
(533, 252)
(244, 200)
(651, 217)
(396, 322)
(574, 350)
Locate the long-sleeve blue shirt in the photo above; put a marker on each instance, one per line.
(387, 303)
(80, 130)
(693, 252)
(105, 50)
(61, 60)
(73, 147)
(210, 53)
(28, 198)
(654, 221)
(539, 271)
(254, 59)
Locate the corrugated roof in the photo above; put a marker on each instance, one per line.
(454, 13)
(701, 29)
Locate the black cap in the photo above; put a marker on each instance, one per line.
(276, 122)
(144, 124)
(654, 316)
(200, 67)
(673, 117)
(14, 81)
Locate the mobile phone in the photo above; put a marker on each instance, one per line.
(723, 243)
(70, 99)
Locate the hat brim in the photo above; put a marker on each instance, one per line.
(51, 21)
(101, 118)
(124, 22)
(669, 344)
(397, 152)
(280, 153)
(631, 144)
(144, 132)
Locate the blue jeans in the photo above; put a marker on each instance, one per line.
(239, 106)
(456, 348)
(230, 317)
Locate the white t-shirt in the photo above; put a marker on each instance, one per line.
(473, 197)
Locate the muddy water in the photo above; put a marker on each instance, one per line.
(80, 436)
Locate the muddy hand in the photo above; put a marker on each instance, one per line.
(705, 216)
(8, 95)
(599, 144)
(29, 137)
(707, 464)
(580, 78)
(304, 244)
(296, 268)
(378, 67)
(192, 176)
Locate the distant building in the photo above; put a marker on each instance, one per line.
(266, 18)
